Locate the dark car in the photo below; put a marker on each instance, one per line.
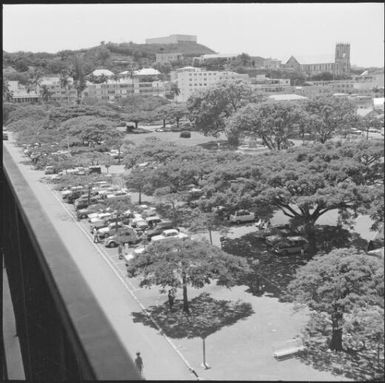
(95, 170)
(70, 198)
(159, 228)
(5, 136)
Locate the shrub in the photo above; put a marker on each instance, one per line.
(185, 134)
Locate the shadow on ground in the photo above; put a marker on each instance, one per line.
(207, 316)
(272, 273)
(360, 361)
(357, 366)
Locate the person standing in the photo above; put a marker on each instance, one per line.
(120, 251)
(139, 363)
(96, 235)
(171, 298)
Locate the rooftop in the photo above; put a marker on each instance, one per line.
(146, 72)
(101, 72)
(314, 59)
(287, 97)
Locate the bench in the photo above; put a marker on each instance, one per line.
(290, 348)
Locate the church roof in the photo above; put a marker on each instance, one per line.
(314, 59)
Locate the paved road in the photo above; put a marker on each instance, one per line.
(118, 298)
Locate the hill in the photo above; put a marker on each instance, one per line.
(112, 56)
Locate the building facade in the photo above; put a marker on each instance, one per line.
(123, 88)
(190, 80)
(172, 39)
(162, 58)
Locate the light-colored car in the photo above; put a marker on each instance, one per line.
(109, 230)
(242, 216)
(139, 224)
(167, 234)
(98, 216)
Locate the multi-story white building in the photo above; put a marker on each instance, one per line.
(122, 88)
(191, 79)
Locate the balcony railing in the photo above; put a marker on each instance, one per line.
(63, 332)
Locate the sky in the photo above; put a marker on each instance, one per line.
(267, 30)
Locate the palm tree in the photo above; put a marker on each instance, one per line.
(7, 94)
(65, 83)
(45, 93)
(79, 78)
(34, 80)
(174, 90)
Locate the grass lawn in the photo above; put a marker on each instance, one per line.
(196, 137)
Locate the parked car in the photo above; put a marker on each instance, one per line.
(5, 136)
(139, 224)
(159, 228)
(109, 230)
(149, 212)
(50, 170)
(124, 236)
(95, 170)
(153, 221)
(98, 223)
(84, 213)
(74, 195)
(291, 245)
(82, 203)
(242, 216)
(167, 234)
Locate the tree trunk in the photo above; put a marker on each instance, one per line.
(336, 341)
(185, 299)
(116, 222)
(210, 234)
(311, 237)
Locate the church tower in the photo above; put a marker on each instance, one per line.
(342, 58)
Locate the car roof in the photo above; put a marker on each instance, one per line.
(169, 231)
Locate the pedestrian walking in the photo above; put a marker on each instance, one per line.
(96, 235)
(126, 248)
(139, 362)
(171, 298)
(120, 251)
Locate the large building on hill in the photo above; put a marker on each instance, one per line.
(172, 39)
(338, 66)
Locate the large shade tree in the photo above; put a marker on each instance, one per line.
(304, 183)
(90, 129)
(209, 109)
(273, 122)
(329, 116)
(180, 263)
(339, 283)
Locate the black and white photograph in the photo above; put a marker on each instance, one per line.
(192, 192)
